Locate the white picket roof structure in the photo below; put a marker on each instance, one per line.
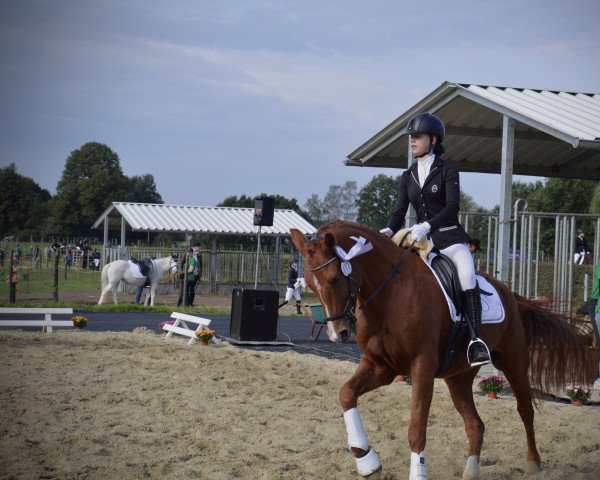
(154, 217)
(503, 130)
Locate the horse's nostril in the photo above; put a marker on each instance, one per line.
(344, 335)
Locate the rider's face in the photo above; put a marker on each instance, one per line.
(419, 143)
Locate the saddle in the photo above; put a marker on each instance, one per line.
(146, 266)
(446, 272)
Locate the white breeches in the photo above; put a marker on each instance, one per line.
(293, 293)
(462, 258)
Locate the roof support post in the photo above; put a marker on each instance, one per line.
(122, 249)
(506, 174)
(105, 241)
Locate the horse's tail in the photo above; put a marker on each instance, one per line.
(561, 348)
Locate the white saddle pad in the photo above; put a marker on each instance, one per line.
(135, 270)
(492, 310)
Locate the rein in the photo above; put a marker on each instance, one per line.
(395, 269)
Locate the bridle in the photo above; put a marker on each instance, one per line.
(173, 265)
(353, 291)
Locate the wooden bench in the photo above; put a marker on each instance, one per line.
(47, 323)
(180, 326)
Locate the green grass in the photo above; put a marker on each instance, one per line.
(41, 280)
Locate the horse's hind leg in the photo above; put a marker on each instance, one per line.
(516, 374)
(461, 391)
(105, 292)
(367, 377)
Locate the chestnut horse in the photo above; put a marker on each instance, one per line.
(404, 327)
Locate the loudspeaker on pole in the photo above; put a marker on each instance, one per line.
(264, 208)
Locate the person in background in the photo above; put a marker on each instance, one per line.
(431, 186)
(198, 270)
(190, 283)
(581, 248)
(294, 286)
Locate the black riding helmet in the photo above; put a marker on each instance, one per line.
(430, 124)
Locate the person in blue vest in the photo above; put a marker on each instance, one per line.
(431, 185)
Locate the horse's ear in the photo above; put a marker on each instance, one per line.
(330, 242)
(299, 240)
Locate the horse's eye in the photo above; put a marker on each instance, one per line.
(335, 281)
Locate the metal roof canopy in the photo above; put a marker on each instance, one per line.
(501, 130)
(153, 217)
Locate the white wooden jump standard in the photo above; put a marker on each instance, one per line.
(181, 327)
(47, 323)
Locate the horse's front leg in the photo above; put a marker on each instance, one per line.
(152, 294)
(422, 373)
(367, 377)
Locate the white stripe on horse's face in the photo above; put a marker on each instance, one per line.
(330, 330)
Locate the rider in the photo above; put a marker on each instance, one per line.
(431, 186)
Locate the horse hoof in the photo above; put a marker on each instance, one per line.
(532, 467)
(376, 475)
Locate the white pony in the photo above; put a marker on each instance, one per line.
(114, 272)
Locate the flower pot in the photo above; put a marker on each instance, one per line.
(577, 403)
(204, 343)
(399, 378)
(492, 395)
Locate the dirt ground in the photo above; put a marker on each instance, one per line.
(105, 405)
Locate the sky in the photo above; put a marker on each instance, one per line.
(216, 98)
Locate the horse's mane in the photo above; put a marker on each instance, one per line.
(342, 224)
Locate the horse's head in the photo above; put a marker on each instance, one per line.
(173, 267)
(336, 289)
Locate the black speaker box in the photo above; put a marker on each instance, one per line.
(263, 211)
(254, 314)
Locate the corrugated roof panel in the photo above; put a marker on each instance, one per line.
(212, 220)
(544, 107)
(557, 132)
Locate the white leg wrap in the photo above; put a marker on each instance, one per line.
(471, 468)
(356, 433)
(418, 466)
(369, 463)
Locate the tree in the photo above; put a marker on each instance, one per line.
(563, 196)
(339, 204)
(595, 201)
(91, 180)
(142, 189)
(376, 200)
(24, 205)
(559, 195)
(314, 210)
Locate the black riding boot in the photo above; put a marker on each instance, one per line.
(298, 311)
(477, 353)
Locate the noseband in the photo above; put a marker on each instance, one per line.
(353, 290)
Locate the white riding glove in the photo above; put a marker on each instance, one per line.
(387, 231)
(419, 231)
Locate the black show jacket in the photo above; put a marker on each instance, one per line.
(436, 203)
